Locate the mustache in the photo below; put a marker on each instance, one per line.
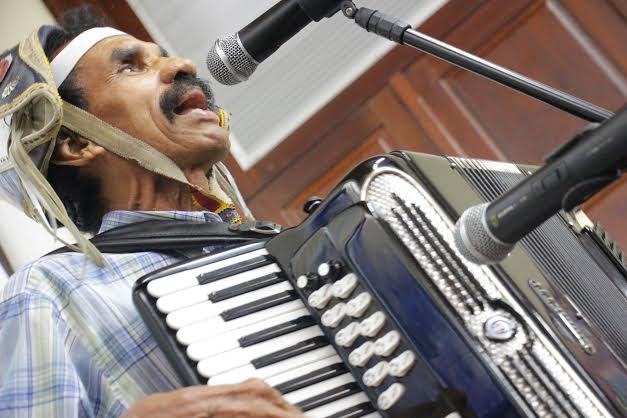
(182, 83)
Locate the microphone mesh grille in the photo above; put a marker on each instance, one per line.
(238, 66)
(473, 240)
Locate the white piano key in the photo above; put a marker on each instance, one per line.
(219, 343)
(318, 388)
(249, 371)
(184, 279)
(211, 327)
(337, 406)
(181, 299)
(182, 317)
(200, 293)
(372, 415)
(238, 357)
(303, 370)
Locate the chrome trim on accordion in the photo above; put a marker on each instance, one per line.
(525, 356)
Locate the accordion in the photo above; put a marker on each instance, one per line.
(366, 309)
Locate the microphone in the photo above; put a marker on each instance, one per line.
(235, 57)
(486, 233)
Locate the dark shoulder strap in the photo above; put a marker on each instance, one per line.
(171, 235)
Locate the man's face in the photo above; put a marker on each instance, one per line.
(135, 87)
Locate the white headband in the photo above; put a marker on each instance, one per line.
(64, 63)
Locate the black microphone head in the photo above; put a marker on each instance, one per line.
(228, 62)
(474, 240)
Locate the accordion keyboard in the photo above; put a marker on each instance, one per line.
(239, 317)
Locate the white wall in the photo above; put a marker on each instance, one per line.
(21, 239)
(19, 18)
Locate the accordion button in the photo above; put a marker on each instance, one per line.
(302, 281)
(390, 396)
(402, 364)
(308, 281)
(362, 354)
(371, 326)
(330, 270)
(321, 297)
(386, 345)
(347, 335)
(345, 286)
(334, 316)
(376, 374)
(357, 306)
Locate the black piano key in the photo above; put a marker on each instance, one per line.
(355, 411)
(312, 378)
(289, 352)
(240, 289)
(259, 305)
(329, 396)
(228, 271)
(276, 331)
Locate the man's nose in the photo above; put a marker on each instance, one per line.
(170, 67)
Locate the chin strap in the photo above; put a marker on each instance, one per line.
(121, 143)
(128, 147)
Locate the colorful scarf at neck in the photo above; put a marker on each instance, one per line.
(209, 202)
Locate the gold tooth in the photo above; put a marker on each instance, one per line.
(225, 119)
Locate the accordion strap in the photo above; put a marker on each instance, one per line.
(170, 235)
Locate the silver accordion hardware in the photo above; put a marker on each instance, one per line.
(537, 371)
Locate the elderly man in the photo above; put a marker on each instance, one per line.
(71, 342)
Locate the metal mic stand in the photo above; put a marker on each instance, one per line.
(402, 33)
(573, 172)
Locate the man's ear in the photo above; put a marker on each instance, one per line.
(74, 150)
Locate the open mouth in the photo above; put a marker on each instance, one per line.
(191, 101)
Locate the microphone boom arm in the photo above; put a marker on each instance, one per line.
(402, 33)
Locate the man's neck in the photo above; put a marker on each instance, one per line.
(131, 187)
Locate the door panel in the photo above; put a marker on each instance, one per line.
(378, 126)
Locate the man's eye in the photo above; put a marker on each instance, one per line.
(128, 68)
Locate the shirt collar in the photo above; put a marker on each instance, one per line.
(117, 218)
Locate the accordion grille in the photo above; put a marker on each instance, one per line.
(559, 254)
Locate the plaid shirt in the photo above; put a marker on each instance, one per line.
(72, 343)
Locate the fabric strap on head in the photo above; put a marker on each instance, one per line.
(35, 121)
(40, 201)
(120, 143)
(64, 63)
(36, 112)
(126, 146)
